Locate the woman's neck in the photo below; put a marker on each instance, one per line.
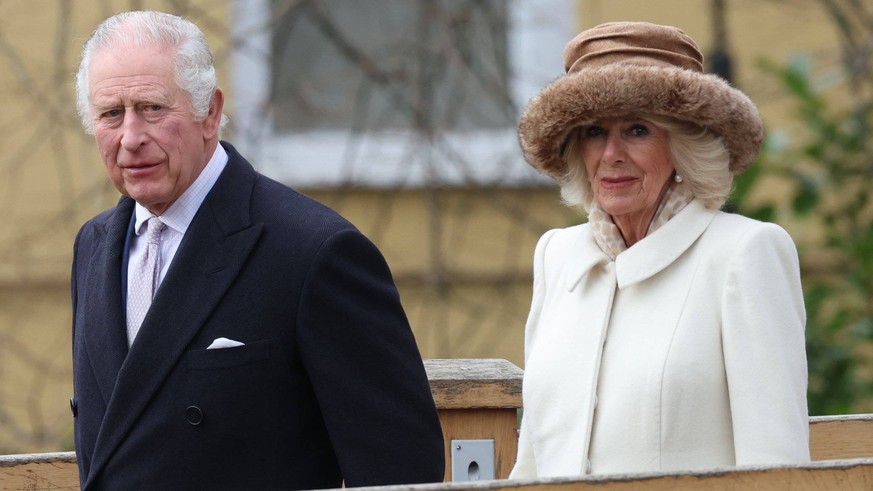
(634, 228)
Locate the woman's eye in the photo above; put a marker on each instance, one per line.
(592, 131)
(639, 130)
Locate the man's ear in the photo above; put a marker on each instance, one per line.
(212, 123)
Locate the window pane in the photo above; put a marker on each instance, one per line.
(370, 65)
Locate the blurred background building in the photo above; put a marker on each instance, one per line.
(401, 115)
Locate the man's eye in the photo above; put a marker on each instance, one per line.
(153, 107)
(112, 113)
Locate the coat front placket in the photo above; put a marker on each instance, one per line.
(563, 374)
(599, 288)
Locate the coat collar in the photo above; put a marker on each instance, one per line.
(584, 255)
(655, 252)
(213, 251)
(647, 257)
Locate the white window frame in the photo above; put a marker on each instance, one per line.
(538, 31)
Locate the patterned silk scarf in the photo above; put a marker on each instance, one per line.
(606, 233)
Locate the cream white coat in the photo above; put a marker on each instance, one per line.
(686, 352)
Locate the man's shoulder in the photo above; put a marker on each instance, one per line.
(291, 215)
(278, 204)
(285, 202)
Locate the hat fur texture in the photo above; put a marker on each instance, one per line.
(631, 86)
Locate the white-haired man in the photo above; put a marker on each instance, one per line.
(228, 332)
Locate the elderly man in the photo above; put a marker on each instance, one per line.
(228, 332)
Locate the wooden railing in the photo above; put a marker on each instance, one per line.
(841, 437)
(479, 399)
(837, 475)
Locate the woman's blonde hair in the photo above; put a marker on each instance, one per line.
(698, 155)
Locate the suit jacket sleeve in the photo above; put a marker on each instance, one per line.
(764, 349)
(362, 360)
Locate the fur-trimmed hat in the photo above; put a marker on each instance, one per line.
(634, 68)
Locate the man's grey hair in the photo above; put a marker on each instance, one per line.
(194, 68)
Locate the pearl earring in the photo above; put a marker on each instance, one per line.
(677, 178)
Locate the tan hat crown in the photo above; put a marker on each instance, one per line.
(639, 43)
(636, 68)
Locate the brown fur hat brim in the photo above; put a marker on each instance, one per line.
(619, 90)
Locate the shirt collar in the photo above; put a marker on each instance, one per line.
(179, 214)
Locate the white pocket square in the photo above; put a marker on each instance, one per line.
(224, 343)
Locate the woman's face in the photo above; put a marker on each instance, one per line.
(629, 166)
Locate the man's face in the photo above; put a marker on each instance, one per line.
(148, 138)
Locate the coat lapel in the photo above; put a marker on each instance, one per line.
(657, 251)
(216, 245)
(103, 314)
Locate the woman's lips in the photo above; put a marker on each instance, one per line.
(616, 182)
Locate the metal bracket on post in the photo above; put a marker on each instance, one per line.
(472, 460)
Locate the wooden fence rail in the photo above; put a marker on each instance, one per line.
(840, 475)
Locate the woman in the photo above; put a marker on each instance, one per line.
(664, 334)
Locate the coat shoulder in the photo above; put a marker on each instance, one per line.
(282, 209)
(559, 241)
(292, 214)
(732, 231)
(561, 244)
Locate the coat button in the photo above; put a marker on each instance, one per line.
(194, 415)
(74, 406)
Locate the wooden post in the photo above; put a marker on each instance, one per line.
(478, 399)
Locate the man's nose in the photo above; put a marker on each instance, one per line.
(133, 131)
